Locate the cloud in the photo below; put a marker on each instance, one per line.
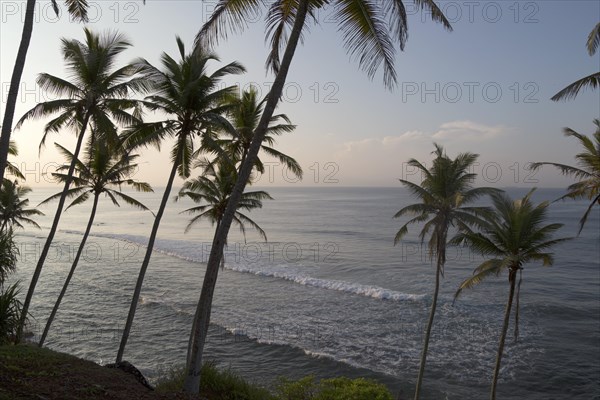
(468, 130)
(387, 142)
(381, 160)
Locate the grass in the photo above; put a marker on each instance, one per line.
(28, 372)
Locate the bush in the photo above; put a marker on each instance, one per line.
(332, 389)
(10, 313)
(220, 385)
(8, 255)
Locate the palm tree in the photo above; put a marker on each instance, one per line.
(78, 11)
(592, 81)
(370, 29)
(514, 236)
(587, 171)
(10, 167)
(244, 115)
(213, 188)
(444, 193)
(106, 171)
(191, 99)
(97, 95)
(13, 207)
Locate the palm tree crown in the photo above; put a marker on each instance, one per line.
(96, 91)
(106, 171)
(244, 113)
(445, 191)
(587, 170)
(370, 29)
(214, 188)
(592, 81)
(190, 97)
(13, 211)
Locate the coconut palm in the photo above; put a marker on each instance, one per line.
(78, 11)
(592, 81)
(13, 207)
(514, 236)
(587, 171)
(105, 171)
(445, 192)
(213, 189)
(244, 115)
(97, 95)
(191, 99)
(370, 30)
(10, 167)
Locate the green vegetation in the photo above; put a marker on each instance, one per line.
(105, 171)
(591, 81)
(10, 304)
(445, 193)
(190, 98)
(332, 389)
(514, 236)
(221, 133)
(29, 372)
(96, 96)
(587, 170)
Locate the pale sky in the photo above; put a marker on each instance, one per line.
(483, 88)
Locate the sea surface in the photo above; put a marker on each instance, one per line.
(328, 294)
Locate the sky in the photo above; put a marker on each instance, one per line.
(483, 88)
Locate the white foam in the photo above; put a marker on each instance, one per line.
(188, 252)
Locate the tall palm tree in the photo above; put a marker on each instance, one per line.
(370, 30)
(514, 236)
(592, 81)
(445, 192)
(13, 207)
(192, 101)
(212, 189)
(244, 115)
(105, 171)
(587, 171)
(97, 95)
(78, 11)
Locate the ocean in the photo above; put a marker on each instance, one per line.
(328, 294)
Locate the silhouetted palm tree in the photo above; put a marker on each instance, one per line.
(587, 171)
(592, 81)
(370, 30)
(97, 94)
(13, 207)
(191, 100)
(515, 235)
(445, 192)
(10, 167)
(244, 114)
(78, 11)
(105, 171)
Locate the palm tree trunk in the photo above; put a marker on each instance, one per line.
(512, 278)
(50, 238)
(438, 272)
(202, 318)
(71, 272)
(142, 274)
(15, 82)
